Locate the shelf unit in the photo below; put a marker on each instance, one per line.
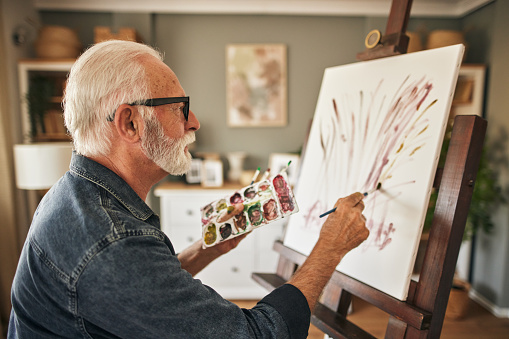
(54, 72)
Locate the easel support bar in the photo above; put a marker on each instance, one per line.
(398, 17)
(408, 313)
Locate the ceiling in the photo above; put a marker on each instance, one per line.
(421, 8)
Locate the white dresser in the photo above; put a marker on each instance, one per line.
(229, 275)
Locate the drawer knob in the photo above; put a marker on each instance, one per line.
(190, 239)
(235, 269)
(189, 212)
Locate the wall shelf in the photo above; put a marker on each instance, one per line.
(56, 72)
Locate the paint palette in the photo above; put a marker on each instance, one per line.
(264, 202)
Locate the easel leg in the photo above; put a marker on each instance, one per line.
(336, 298)
(396, 329)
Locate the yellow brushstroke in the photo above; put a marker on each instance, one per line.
(415, 150)
(423, 130)
(424, 111)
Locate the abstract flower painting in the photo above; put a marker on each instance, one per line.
(256, 85)
(377, 122)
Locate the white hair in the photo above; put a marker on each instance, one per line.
(107, 75)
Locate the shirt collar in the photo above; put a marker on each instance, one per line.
(110, 181)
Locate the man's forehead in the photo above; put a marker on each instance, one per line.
(163, 81)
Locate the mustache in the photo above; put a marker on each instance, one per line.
(189, 138)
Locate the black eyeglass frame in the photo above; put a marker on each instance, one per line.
(160, 102)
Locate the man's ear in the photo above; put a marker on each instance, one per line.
(128, 123)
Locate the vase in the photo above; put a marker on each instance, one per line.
(236, 163)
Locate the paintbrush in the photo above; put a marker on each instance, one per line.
(255, 176)
(266, 174)
(378, 186)
(286, 167)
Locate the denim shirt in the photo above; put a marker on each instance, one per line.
(96, 265)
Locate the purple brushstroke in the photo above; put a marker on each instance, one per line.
(402, 119)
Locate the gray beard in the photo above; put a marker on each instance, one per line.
(165, 152)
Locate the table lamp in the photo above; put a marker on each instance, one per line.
(40, 165)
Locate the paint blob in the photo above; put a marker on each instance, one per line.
(225, 231)
(270, 210)
(283, 193)
(255, 214)
(250, 193)
(240, 222)
(236, 199)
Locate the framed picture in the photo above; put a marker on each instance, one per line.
(194, 174)
(212, 173)
(278, 161)
(469, 94)
(256, 85)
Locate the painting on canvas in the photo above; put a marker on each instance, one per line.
(256, 85)
(379, 121)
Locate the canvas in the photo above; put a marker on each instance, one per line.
(379, 121)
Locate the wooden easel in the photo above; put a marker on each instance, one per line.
(422, 315)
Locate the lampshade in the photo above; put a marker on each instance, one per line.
(40, 165)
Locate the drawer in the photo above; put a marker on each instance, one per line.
(183, 237)
(230, 271)
(185, 211)
(268, 234)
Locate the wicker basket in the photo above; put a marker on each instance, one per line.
(415, 42)
(458, 300)
(102, 33)
(442, 38)
(57, 42)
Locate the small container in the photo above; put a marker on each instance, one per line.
(443, 38)
(458, 300)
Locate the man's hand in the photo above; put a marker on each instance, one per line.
(345, 228)
(194, 258)
(226, 246)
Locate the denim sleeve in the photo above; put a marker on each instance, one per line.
(135, 288)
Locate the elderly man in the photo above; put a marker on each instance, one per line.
(96, 264)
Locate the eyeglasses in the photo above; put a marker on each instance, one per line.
(160, 102)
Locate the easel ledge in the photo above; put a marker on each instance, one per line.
(411, 315)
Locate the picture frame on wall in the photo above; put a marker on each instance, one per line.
(278, 161)
(469, 94)
(256, 85)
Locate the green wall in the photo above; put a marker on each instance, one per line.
(489, 28)
(195, 49)
(194, 46)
